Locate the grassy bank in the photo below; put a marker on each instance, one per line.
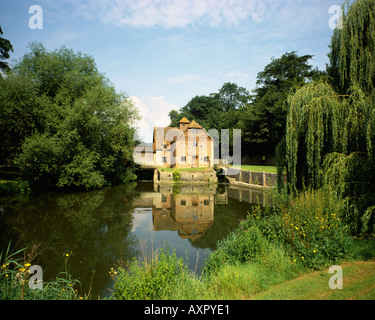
(269, 169)
(271, 247)
(185, 169)
(358, 284)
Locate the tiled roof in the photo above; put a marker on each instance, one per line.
(194, 125)
(184, 120)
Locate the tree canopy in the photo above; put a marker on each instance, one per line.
(219, 110)
(62, 121)
(264, 120)
(352, 55)
(5, 48)
(330, 129)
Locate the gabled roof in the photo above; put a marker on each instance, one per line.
(184, 120)
(194, 125)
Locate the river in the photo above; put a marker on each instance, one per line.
(106, 228)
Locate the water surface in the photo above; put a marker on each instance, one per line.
(106, 228)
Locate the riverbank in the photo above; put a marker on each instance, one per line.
(271, 247)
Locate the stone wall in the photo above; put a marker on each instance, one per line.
(207, 176)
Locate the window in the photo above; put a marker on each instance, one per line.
(183, 202)
(183, 159)
(165, 146)
(206, 202)
(206, 159)
(195, 130)
(195, 143)
(163, 198)
(164, 159)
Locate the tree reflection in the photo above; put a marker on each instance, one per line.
(93, 227)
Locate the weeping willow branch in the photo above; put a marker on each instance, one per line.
(315, 117)
(352, 57)
(329, 143)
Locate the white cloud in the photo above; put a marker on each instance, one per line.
(175, 13)
(154, 113)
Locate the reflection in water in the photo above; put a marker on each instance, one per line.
(103, 228)
(191, 219)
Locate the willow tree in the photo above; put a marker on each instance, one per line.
(352, 56)
(330, 130)
(329, 143)
(313, 124)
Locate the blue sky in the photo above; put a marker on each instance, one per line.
(162, 53)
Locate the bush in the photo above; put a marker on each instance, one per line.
(176, 175)
(243, 244)
(19, 186)
(147, 279)
(308, 226)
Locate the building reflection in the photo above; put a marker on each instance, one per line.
(189, 209)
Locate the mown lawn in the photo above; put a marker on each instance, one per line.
(184, 169)
(358, 284)
(269, 169)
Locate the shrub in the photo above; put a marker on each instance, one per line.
(243, 244)
(147, 279)
(176, 175)
(308, 226)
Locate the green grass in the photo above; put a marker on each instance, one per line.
(358, 284)
(184, 169)
(15, 276)
(275, 253)
(269, 169)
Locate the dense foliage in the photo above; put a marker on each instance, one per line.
(220, 110)
(5, 48)
(352, 56)
(330, 135)
(261, 115)
(263, 123)
(62, 122)
(307, 228)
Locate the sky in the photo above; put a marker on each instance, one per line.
(162, 53)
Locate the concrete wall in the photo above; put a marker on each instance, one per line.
(242, 177)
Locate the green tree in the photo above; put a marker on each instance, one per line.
(263, 123)
(5, 48)
(330, 136)
(219, 110)
(78, 130)
(352, 54)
